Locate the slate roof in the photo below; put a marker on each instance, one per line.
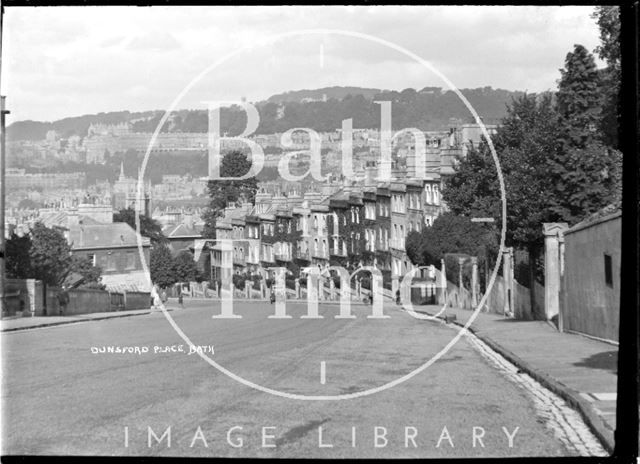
(182, 230)
(114, 235)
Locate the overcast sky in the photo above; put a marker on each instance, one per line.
(68, 61)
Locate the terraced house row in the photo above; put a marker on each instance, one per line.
(358, 222)
(356, 225)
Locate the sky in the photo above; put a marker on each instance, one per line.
(67, 61)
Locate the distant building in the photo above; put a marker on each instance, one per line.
(19, 179)
(125, 193)
(113, 247)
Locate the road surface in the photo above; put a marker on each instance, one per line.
(61, 397)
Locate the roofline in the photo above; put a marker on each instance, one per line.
(586, 224)
(135, 245)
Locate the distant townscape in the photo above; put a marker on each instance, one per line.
(314, 210)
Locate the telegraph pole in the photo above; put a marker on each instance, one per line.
(2, 178)
(3, 113)
(3, 153)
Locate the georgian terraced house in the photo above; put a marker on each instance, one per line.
(364, 222)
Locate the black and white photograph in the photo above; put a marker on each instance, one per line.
(318, 231)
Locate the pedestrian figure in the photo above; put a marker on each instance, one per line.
(63, 300)
(163, 295)
(398, 297)
(156, 297)
(272, 297)
(180, 300)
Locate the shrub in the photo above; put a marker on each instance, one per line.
(238, 281)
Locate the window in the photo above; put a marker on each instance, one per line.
(131, 260)
(92, 258)
(608, 270)
(111, 262)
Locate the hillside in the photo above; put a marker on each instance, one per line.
(428, 109)
(330, 92)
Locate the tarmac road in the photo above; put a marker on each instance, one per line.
(60, 397)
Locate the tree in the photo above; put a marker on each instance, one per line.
(148, 227)
(91, 275)
(585, 181)
(185, 267)
(223, 192)
(586, 173)
(45, 255)
(49, 255)
(526, 142)
(579, 99)
(413, 246)
(608, 20)
(18, 262)
(450, 234)
(161, 266)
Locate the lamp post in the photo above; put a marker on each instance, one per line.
(485, 220)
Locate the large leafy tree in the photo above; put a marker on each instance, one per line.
(223, 192)
(148, 227)
(526, 141)
(49, 254)
(185, 267)
(44, 254)
(161, 266)
(586, 173)
(448, 234)
(554, 165)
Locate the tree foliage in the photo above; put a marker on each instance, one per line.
(449, 233)
(608, 20)
(91, 275)
(554, 160)
(185, 267)
(44, 254)
(49, 254)
(148, 227)
(224, 192)
(525, 143)
(579, 100)
(18, 261)
(161, 266)
(586, 173)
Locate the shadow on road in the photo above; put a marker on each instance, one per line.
(607, 360)
(296, 433)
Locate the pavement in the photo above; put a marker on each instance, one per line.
(129, 386)
(12, 324)
(581, 370)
